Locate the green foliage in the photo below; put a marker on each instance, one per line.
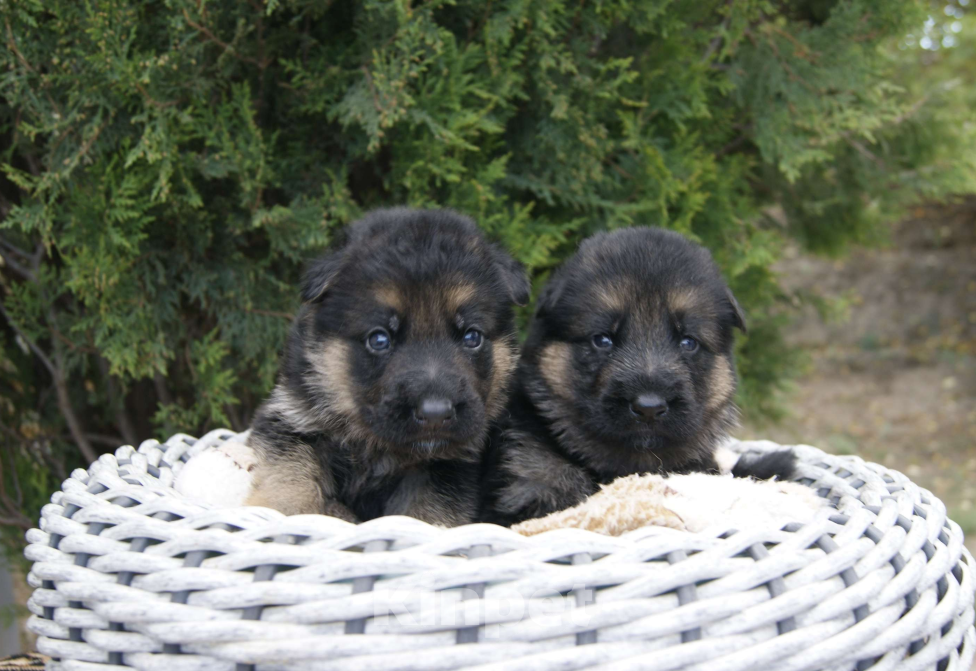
(169, 165)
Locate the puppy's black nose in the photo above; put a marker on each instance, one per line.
(649, 407)
(434, 411)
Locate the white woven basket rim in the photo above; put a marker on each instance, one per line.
(130, 574)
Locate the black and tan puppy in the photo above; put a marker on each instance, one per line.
(400, 357)
(627, 369)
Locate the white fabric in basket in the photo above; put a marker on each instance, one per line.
(221, 477)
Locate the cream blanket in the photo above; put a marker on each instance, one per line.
(221, 477)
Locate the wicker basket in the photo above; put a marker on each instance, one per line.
(127, 574)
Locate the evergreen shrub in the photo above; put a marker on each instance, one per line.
(169, 165)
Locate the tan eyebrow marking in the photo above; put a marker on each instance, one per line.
(388, 295)
(457, 295)
(684, 299)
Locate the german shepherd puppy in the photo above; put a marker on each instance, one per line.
(627, 368)
(401, 355)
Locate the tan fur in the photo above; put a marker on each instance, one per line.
(721, 384)
(685, 299)
(708, 333)
(286, 404)
(427, 315)
(291, 486)
(331, 366)
(555, 363)
(504, 360)
(389, 296)
(690, 299)
(456, 295)
(613, 297)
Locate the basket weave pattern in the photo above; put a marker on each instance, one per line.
(127, 573)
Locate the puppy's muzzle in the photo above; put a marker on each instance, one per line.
(434, 412)
(649, 407)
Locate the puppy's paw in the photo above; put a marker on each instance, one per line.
(221, 476)
(779, 465)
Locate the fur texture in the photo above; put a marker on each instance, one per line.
(693, 502)
(780, 465)
(400, 357)
(627, 369)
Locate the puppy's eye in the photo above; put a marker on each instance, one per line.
(378, 340)
(688, 344)
(602, 341)
(472, 338)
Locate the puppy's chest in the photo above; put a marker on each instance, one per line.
(368, 488)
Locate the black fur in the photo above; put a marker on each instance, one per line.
(579, 415)
(780, 464)
(344, 432)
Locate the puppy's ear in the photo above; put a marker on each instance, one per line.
(513, 275)
(549, 296)
(319, 276)
(738, 318)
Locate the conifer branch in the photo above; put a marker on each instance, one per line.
(102, 439)
(10, 262)
(87, 145)
(17, 519)
(235, 419)
(716, 41)
(271, 313)
(42, 357)
(801, 50)
(11, 504)
(12, 44)
(71, 345)
(896, 121)
(372, 89)
(32, 164)
(228, 48)
(163, 394)
(60, 387)
(732, 146)
(911, 111)
(864, 151)
(152, 101)
(117, 402)
(15, 249)
(64, 404)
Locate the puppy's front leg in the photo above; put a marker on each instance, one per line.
(536, 481)
(290, 479)
(443, 493)
(290, 490)
(335, 508)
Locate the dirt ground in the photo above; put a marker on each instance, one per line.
(895, 382)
